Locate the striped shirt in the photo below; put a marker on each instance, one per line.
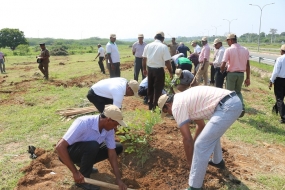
(86, 128)
(196, 103)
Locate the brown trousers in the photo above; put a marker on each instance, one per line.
(203, 73)
(44, 69)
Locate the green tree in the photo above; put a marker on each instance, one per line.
(11, 38)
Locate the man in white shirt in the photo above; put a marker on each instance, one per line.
(113, 57)
(155, 57)
(137, 50)
(197, 48)
(278, 79)
(220, 50)
(101, 55)
(111, 91)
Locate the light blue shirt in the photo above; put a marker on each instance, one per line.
(279, 68)
(86, 128)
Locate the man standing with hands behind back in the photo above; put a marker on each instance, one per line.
(137, 50)
(113, 57)
(155, 57)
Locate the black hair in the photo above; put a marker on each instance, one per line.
(102, 115)
(159, 37)
(283, 51)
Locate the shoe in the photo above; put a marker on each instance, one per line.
(87, 186)
(242, 113)
(192, 188)
(220, 165)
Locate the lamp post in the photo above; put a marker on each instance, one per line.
(260, 21)
(208, 32)
(216, 29)
(230, 24)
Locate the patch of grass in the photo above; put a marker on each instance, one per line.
(272, 181)
(262, 66)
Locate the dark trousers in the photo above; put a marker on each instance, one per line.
(219, 78)
(279, 91)
(173, 67)
(101, 65)
(213, 72)
(44, 69)
(116, 72)
(138, 68)
(98, 101)
(185, 67)
(143, 92)
(86, 154)
(156, 78)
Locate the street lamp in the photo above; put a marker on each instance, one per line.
(260, 21)
(216, 29)
(230, 24)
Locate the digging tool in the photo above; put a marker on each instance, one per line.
(102, 184)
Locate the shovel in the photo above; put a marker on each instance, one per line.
(102, 184)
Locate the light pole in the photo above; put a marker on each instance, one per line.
(216, 29)
(230, 24)
(260, 21)
(208, 32)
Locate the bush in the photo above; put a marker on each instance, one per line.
(59, 51)
(21, 50)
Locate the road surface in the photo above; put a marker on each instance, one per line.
(268, 58)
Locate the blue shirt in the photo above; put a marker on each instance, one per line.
(183, 49)
(86, 128)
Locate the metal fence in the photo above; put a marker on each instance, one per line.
(263, 59)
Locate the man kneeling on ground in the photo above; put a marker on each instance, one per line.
(186, 79)
(91, 139)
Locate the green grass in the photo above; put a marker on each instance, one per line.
(272, 181)
(262, 66)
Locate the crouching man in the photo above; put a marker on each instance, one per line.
(91, 139)
(185, 79)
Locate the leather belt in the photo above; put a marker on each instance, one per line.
(232, 94)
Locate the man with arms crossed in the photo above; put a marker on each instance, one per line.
(155, 57)
(221, 107)
(91, 139)
(238, 63)
(137, 50)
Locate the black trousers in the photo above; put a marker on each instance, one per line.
(173, 67)
(185, 67)
(143, 92)
(138, 68)
(213, 72)
(156, 79)
(219, 77)
(86, 154)
(116, 72)
(279, 91)
(98, 101)
(101, 65)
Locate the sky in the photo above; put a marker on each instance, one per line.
(79, 19)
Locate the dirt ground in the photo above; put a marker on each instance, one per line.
(165, 169)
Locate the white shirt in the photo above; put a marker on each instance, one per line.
(101, 51)
(144, 83)
(197, 49)
(279, 69)
(156, 53)
(219, 57)
(112, 48)
(112, 88)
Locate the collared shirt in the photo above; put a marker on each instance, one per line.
(187, 77)
(1, 55)
(112, 48)
(183, 49)
(173, 48)
(183, 60)
(45, 53)
(279, 69)
(156, 53)
(237, 57)
(86, 128)
(112, 88)
(196, 103)
(219, 57)
(205, 53)
(101, 51)
(138, 49)
(197, 49)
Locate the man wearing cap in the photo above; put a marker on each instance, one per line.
(220, 50)
(156, 56)
(237, 59)
(194, 57)
(89, 140)
(101, 55)
(221, 107)
(185, 79)
(278, 79)
(111, 91)
(197, 48)
(172, 49)
(113, 57)
(183, 49)
(44, 60)
(137, 49)
(204, 57)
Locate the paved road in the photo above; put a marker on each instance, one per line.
(268, 58)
